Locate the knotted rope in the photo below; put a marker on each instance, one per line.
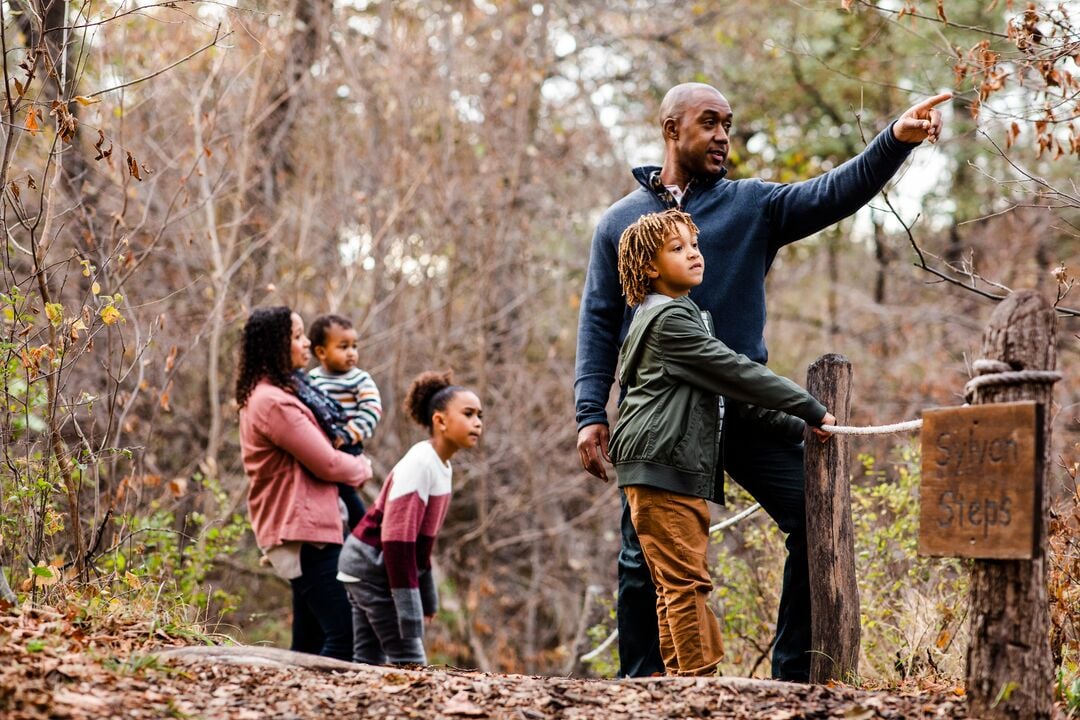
(995, 372)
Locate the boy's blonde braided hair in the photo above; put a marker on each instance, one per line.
(638, 246)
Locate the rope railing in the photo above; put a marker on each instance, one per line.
(873, 429)
(988, 373)
(734, 519)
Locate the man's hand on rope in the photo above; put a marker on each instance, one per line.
(592, 445)
(922, 121)
(829, 419)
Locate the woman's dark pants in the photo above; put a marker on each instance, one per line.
(322, 617)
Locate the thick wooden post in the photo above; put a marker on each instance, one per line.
(834, 596)
(1010, 670)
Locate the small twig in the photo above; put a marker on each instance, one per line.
(761, 658)
(130, 535)
(167, 68)
(97, 536)
(947, 23)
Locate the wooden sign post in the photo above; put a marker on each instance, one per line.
(1010, 670)
(978, 496)
(983, 496)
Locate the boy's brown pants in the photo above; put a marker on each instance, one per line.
(674, 534)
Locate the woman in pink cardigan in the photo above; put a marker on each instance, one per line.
(294, 470)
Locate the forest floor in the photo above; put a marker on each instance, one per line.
(59, 665)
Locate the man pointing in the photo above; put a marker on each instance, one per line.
(742, 223)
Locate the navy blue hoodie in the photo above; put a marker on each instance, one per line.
(743, 224)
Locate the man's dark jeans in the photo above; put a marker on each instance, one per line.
(322, 617)
(635, 609)
(771, 470)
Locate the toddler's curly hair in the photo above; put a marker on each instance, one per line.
(638, 246)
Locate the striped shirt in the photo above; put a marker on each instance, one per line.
(358, 396)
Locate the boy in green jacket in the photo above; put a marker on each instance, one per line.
(667, 444)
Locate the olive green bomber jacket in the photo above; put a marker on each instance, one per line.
(674, 369)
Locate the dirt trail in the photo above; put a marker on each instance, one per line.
(53, 666)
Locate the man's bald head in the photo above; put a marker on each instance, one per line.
(681, 96)
(695, 120)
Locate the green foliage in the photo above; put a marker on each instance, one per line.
(179, 553)
(26, 402)
(1068, 685)
(747, 576)
(606, 664)
(136, 664)
(913, 608)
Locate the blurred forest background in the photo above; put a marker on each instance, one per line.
(434, 170)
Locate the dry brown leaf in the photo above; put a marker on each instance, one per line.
(461, 705)
(80, 700)
(102, 154)
(133, 167)
(170, 361)
(32, 123)
(178, 486)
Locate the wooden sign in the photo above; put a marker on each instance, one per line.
(978, 496)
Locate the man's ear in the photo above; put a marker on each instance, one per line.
(671, 128)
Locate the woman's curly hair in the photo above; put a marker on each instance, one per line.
(638, 246)
(430, 392)
(265, 351)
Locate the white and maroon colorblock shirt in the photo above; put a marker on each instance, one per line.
(405, 521)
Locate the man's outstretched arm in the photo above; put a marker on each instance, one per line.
(801, 209)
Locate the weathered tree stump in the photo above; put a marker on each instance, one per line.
(834, 595)
(1010, 671)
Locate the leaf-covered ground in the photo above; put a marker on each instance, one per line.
(56, 665)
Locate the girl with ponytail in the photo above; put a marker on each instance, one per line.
(385, 563)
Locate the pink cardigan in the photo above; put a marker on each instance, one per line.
(293, 470)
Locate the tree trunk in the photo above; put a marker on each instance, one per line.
(883, 256)
(830, 537)
(1010, 670)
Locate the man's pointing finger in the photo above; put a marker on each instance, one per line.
(932, 101)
